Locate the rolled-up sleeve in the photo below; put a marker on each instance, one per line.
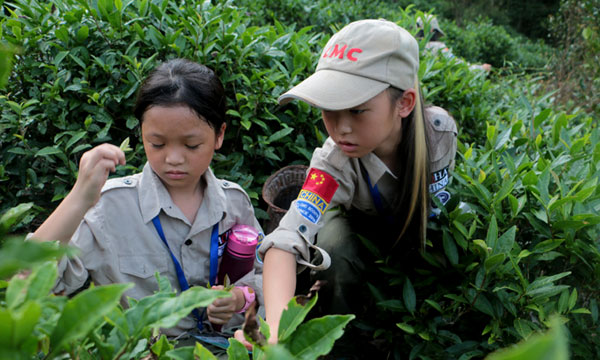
(72, 274)
(296, 233)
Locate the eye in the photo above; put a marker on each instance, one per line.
(357, 111)
(192, 147)
(157, 146)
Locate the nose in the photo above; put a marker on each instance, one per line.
(343, 125)
(174, 156)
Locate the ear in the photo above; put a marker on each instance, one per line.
(406, 103)
(220, 136)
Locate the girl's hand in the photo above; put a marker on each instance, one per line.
(94, 167)
(221, 310)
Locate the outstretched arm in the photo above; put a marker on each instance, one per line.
(94, 167)
(279, 285)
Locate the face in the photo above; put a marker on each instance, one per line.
(374, 126)
(179, 145)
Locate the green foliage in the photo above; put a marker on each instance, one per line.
(576, 63)
(551, 345)
(36, 323)
(517, 243)
(76, 86)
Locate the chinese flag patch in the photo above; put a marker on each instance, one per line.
(320, 183)
(316, 193)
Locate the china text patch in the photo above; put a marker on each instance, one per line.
(316, 193)
(439, 180)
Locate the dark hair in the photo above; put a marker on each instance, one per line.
(184, 82)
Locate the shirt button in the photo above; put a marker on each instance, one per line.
(302, 228)
(127, 181)
(437, 122)
(188, 242)
(225, 183)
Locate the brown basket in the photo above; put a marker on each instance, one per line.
(280, 189)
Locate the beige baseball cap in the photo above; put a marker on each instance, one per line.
(360, 61)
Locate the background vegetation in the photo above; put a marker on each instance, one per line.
(517, 243)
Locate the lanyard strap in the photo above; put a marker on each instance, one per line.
(374, 192)
(376, 195)
(214, 260)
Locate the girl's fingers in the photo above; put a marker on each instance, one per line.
(239, 336)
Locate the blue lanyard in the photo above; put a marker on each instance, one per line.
(374, 192)
(376, 195)
(214, 261)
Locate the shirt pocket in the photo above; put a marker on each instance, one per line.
(142, 266)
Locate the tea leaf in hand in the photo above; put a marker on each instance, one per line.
(125, 145)
(303, 299)
(251, 329)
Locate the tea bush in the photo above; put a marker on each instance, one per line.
(516, 244)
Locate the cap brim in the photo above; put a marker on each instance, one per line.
(334, 90)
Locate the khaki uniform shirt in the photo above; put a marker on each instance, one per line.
(296, 233)
(118, 242)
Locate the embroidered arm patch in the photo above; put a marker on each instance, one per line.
(316, 194)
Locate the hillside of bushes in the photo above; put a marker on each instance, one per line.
(517, 243)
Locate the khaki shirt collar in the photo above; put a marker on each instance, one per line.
(375, 168)
(154, 197)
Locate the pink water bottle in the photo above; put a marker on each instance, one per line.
(238, 256)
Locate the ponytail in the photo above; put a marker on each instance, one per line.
(414, 157)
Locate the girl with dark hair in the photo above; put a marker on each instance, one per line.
(170, 218)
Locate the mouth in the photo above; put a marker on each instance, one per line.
(175, 175)
(347, 146)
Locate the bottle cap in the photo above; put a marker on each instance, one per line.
(243, 240)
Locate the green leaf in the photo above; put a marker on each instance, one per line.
(12, 216)
(547, 245)
(279, 135)
(573, 299)
(200, 352)
(523, 328)
(236, 350)
(292, 317)
(42, 280)
(275, 352)
(83, 33)
(434, 305)
(507, 240)
(95, 303)
(167, 312)
(450, 248)
(563, 301)
(161, 347)
(543, 115)
(494, 261)
(552, 345)
(48, 150)
(406, 328)
(17, 254)
(15, 292)
(6, 63)
(317, 336)
(409, 296)
(492, 234)
(17, 326)
(183, 353)
(581, 311)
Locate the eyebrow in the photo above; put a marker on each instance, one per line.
(189, 136)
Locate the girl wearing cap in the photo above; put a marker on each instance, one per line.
(375, 164)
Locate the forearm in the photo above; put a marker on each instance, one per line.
(64, 220)
(279, 284)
